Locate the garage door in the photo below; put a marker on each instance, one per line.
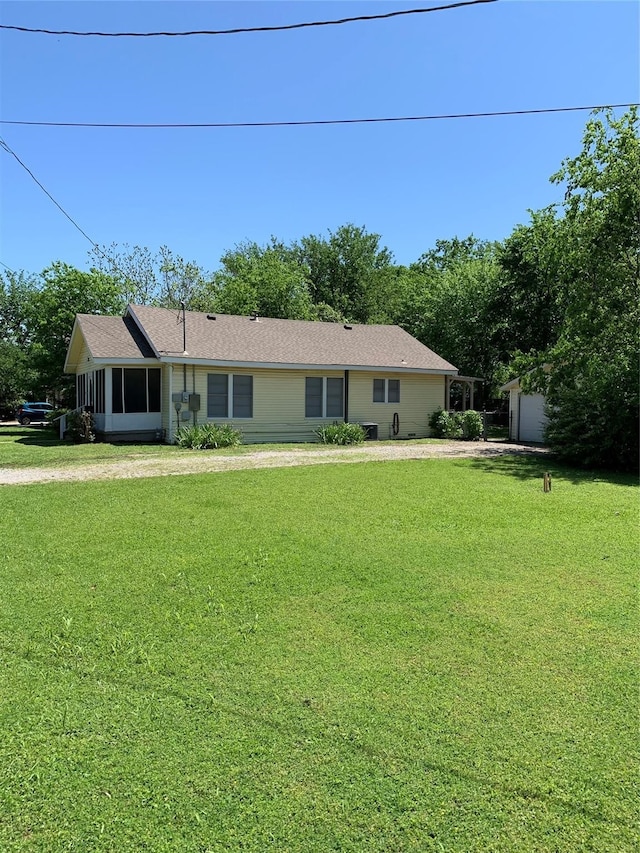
(532, 417)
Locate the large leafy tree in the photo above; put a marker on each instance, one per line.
(594, 386)
(448, 303)
(18, 380)
(264, 279)
(350, 272)
(529, 302)
(163, 278)
(65, 292)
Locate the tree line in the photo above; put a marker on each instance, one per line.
(560, 290)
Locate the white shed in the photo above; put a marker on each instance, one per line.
(527, 419)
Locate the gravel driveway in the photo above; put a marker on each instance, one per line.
(199, 462)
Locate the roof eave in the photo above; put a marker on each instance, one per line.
(369, 368)
(69, 365)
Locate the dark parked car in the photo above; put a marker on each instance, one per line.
(29, 412)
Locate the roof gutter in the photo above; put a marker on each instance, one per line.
(167, 358)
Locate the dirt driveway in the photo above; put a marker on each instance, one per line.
(199, 462)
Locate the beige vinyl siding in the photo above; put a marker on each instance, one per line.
(420, 395)
(166, 404)
(85, 362)
(278, 403)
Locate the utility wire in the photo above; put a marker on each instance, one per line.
(8, 268)
(238, 30)
(311, 122)
(4, 145)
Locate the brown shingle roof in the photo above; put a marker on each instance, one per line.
(113, 337)
(266, 340)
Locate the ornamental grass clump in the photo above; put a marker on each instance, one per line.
(341, 434)
(208, 436)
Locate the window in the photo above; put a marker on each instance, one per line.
(386, 390)
(135, 389)
(224, 389)
(324, 397)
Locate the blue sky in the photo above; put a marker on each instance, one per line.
(201, 191)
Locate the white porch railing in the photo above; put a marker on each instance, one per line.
(62, 419)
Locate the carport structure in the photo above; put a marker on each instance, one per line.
(467, 384)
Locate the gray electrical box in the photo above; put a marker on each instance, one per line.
(177, 397)
(194, 402)
(185, 396)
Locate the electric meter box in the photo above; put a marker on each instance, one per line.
(194, 402)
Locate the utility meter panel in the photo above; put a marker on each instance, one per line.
(194, 402)
(185, 396)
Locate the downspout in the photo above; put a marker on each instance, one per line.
(518, 423)
(193, 384)
(170, 416)
(184, 348)
(346, 396)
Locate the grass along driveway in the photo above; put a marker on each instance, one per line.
(26, 458)
(422, 655)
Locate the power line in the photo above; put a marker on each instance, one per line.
(238, 30)
(312, 122)
(4, 145)
(8, 268)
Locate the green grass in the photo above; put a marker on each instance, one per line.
(29, 447)
(401, 656)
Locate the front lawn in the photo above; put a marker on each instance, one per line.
(401, 656)
(40, 447)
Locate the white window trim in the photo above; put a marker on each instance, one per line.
(324, 414)
(386, 390)
(230, 416)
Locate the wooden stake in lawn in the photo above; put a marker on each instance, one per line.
(546, 482)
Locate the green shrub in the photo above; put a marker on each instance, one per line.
(208, 436)
(341, 434)
(467, 425)
(80, 427)
(56, 413)
(445, 425)
(472, 425)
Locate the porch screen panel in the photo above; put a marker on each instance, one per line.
(153, 375)
(81, 390)
(217, 395)
(135, 389)
(99, 404)
(116, 391)
(335, 398)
